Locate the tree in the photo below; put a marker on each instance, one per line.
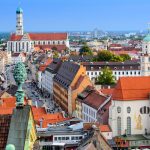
(125, 57)
(106, 77)
(116, 58)
(54, 48)
(104, 56)
(55, 54)
(85, 50)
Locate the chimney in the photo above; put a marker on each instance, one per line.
(41, 122)
(36, 104)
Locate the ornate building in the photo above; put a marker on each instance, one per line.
(27, 42)
(145, 56)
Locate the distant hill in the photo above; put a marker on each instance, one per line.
(4, 35)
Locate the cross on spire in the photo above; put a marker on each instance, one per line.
(19, 3)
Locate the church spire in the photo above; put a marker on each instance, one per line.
(19, 20)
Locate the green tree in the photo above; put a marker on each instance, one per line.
(125, 57)
(116, 58)
(106, 77)
(104, 55)
(55, 54)
(85, 50)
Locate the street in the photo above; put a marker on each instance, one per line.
(39, 99)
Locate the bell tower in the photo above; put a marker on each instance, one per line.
(19, 21)
(145, 56)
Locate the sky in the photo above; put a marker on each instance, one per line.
(76, 15)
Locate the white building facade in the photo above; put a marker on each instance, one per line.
(119, 69)
(129, 111)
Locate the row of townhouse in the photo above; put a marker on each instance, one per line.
(63, 81)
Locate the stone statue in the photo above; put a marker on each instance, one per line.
(20, 76)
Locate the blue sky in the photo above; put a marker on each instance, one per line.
(73, 15)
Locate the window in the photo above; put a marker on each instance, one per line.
(146, 46)
(131, 73)
(128, 125)
(119, 73)
(119, 109)
(55, 138)
(123, 73)
(127, 73)
(119, 125)
(95, 73)
(67, 138)
(128, 109)
(59, 138)
(145, 110)
(63, 138)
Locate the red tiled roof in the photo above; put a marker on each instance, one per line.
(94, 100)
(4, 130)
(104, 128)
(132, 88)
(46, 63)
(6, 108)
(15, 37)
(41, 36)
(49, 47)
(107, 91)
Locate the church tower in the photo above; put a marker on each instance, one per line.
(19, 21)
(145, 56)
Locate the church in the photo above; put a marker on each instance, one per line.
(27, 42)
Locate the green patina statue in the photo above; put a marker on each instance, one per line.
(20, 76)
(10, 147)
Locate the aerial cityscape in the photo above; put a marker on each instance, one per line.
(75, 75)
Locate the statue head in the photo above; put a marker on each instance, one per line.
(10, 147)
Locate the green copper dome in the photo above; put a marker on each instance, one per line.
(147, 38)
(19, 10)
(10, 147)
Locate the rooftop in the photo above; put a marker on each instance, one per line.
(132, 88)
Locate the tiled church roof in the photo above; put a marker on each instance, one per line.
(41, 36)
(132, 88)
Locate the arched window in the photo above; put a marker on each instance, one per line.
(19, 47)
(119, 125)
(128, 109)
(128, 125)
(23, 45)
(119, 109)
(27, 46)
